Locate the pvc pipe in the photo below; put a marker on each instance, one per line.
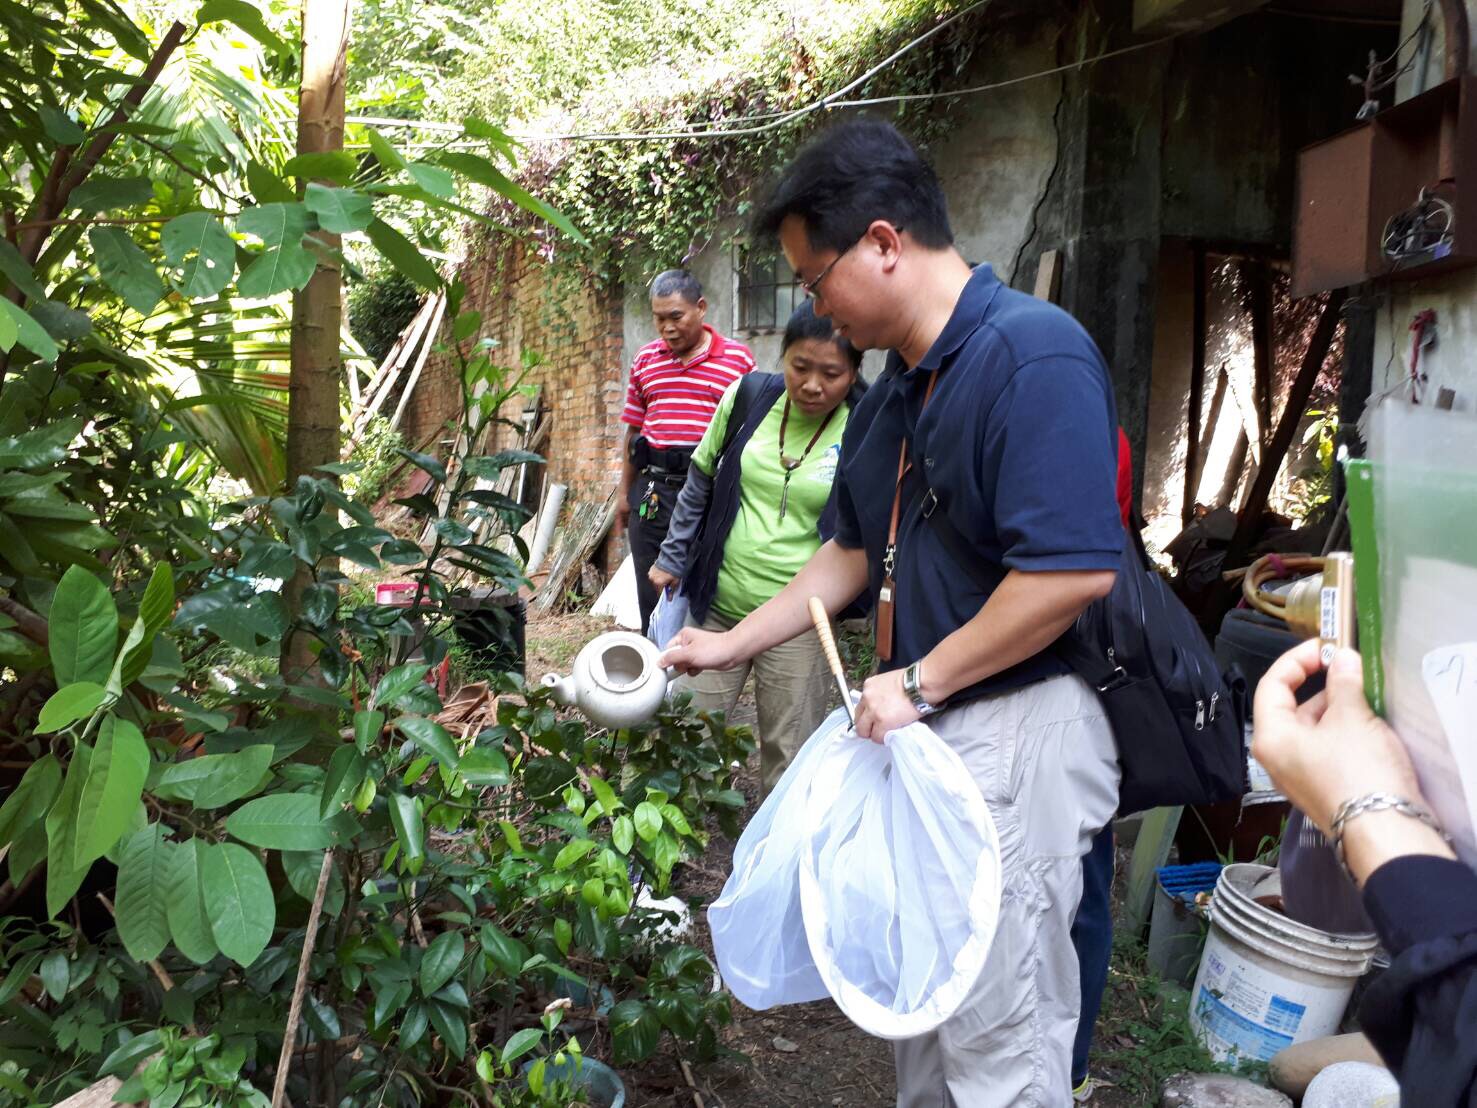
(548, 517)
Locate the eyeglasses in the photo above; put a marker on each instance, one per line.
(810, 287)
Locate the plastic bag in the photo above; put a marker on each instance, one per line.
(667, 617)
(870, 874)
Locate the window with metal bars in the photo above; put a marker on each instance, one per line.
(767, 291)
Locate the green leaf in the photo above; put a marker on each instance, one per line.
(484, 768)
(249, 19)
(506, 952)
(339, 210)
(56, 974)
(674, 817)
(623, 834)
(572, 852)
(338, 166)
(386, 154)
(441, 960)
(451, 1025)
(522, 1043)
(413, 1026)
(130, 1053)
(9, 332)
(31, 799)
(275, 224)
(19, 974)
(482, 171)
(399, 681)
(144, 870)
(126, 268)
(62, 323)
(367, 728)
(277, 270)
(390, 995)
(635, 1030)
(62, 877)
(424, 461)
(563, 935)
(104, 194)
(59, 126)
(346, 771)
(156, 608)
(648, 820)
(302, 869)
(42, 446)
(266, 186)
(215, 780)
(19, 271)
(111, 790)
(197, 245)
(83, 628)
(401, 253)
(433, 179)
(405, 815)
(282, 821)
(131, 643)
(188, 924)
(238, 902)
(431, 737)
(69, 704)
(466, 325)
(609, 802)
(29, 333)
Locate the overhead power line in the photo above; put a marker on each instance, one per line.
(832, 101)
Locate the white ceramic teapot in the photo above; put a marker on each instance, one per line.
(616, 680)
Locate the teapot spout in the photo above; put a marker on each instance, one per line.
(563, 688)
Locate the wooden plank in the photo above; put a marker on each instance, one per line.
(588, 524)
(1150, 851)
(1198, 335)
(420, 361)
(395, 361)
(1049, 276)
(97, 1095)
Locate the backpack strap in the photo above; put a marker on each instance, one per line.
(750, 386)
(1097, 671)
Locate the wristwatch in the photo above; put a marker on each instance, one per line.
(912, 685)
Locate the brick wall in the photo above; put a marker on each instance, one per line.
(574, 326)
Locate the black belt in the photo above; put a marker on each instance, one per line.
(665, 477)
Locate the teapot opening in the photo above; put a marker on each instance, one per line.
(624, 666)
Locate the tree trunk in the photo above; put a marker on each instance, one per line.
(317, 310)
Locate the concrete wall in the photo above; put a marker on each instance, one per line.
(994, 164)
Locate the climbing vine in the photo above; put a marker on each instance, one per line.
(652, 204)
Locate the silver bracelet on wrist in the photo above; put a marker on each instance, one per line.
(1376, 802)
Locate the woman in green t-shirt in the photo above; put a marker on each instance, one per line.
(757, 504)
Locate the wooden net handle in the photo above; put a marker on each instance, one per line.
(822, 623)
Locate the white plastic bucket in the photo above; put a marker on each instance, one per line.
(1267, 981)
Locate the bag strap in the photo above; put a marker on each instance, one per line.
(1103, 675)
(750, 385)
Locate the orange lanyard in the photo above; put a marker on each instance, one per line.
(886, 596)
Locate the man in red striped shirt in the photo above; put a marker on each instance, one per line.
(676, 383)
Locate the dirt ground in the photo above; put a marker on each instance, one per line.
(807, 1055)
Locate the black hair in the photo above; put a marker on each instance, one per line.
(678, 281)
(805, 324)
(851, 175)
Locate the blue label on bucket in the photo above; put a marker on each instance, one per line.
(1250, 1040)
(1284, 1015)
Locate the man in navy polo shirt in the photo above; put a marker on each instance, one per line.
(999, 404)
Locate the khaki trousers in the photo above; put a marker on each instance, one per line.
(1045, 761)
(791, 688)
